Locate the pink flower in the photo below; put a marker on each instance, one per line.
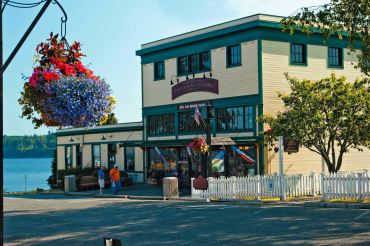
(33, 80)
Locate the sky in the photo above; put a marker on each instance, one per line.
(110, 32)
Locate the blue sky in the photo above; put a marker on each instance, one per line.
(111, 31)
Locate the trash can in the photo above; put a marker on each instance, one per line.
(70, 183)
(170, 187)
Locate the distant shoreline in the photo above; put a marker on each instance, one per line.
(26, 157)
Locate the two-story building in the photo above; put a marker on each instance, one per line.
(236, 68)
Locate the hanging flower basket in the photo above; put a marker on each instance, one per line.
(63, 91)
(199, 146)
(47, 121)
(200, 183)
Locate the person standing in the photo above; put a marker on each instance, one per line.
(101, 179)
(115, 179)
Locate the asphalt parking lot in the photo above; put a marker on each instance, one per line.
(61, 220)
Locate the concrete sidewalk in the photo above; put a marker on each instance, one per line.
(151, 192)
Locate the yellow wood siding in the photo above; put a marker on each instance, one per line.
(104, 154)
(235, 81)
(275, 62)
(120, 156)
(139, 162)
(60, 157)
(74, 156)
(86, 156)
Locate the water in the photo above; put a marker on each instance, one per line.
(36, 170)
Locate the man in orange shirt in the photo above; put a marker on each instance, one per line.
(115, 179)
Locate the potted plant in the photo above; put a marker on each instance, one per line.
(63, 91)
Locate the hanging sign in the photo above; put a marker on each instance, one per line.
(291, 146)
(194, 85)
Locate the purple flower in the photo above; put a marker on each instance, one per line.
(76, 101)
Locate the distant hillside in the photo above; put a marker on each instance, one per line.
(29, 146)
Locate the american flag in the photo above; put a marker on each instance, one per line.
(197, 116)
(243, 155)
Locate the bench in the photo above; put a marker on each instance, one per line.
(88, 182)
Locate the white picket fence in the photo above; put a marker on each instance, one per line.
(260, 187)
(335, 186)
(346, 186)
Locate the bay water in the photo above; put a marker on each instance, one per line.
(26, 174)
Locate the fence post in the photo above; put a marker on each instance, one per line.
(312, 183)
(259, 187)
(191, 188)
(359, 184)
(322, 187)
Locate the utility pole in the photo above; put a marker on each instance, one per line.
(1, 124)
(281, 170)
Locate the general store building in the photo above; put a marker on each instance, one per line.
(236, 69)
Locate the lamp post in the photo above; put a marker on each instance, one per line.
(208, 163)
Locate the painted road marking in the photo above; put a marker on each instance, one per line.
(362, 215)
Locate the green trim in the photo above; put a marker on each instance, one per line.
(237, 34)
(129, 143)
(305, 63)
(216, 103)
(260, 108)
(98, 130)
(342, 60)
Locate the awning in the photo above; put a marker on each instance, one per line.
(222, 141)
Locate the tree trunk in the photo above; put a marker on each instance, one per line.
(340, 159)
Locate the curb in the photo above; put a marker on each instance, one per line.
(336, 205)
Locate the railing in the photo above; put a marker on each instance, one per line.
(343, 185)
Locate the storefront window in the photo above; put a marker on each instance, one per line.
(161, 124)
(111, 155)
(236, 118)
(68, 157)
(96, 155)
(130, 159)
(188, 124)
(238, 166)
(78, 156)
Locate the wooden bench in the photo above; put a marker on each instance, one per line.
(88, 182)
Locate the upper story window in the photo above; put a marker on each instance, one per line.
(235, 118)
(335, 57)
(188, 124)
(161, 124)
(233, 55)
(195, 63)
(298, 53)
(159, 70)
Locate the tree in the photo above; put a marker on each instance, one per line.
(349, 18)
(328, 117)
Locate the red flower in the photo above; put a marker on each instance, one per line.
(58, 63)
(89, 72)
(69, 70)
(48, 75)
(37, 69)
(80, 67)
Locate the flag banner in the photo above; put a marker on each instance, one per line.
(197, 116)
(188, 150)
(218, 161)
(162, 157)
(243, 155)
